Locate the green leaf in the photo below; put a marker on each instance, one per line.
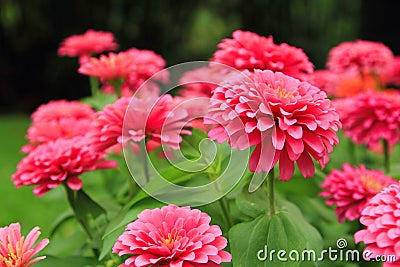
(252, 204)
(51, 261)
(60, 220)
(118, 224)
(83, 205)
(100, 100)
(270, 239)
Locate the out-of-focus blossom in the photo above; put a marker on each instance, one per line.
(57, 162)
(87, 44)
(172, 236)
(370, 117)
(286, 119)
(58, 119)
(248, 50)
(360, 56)
(382, 232)
(18, 251)
(351, 188)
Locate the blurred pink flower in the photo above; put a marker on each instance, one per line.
(106, 129)
(172, 236)
(87, 44)
(58, 119)
(382, 232)
(202, 81)
(18, 251)
(159, 119)
(392, 75)
(351, 189)
(288, 120)
(370, 117)
(59, 161)
(247, 50)
(325, 80)
(360, 56)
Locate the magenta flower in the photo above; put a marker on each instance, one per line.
(18, 251)
(247, 50)
(58, 119)
(57, 162)
(87, 44)
(352, 188)
(172, 236)
(381, 217)
(360, 56)
(288, 120)
(371, 117)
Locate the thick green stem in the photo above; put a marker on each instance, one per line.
(271, 192)
(386, 156)
(94, 85)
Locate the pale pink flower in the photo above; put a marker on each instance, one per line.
(87, 44)
(381, 217)
(325, 80)
(360, 55)
(351, 188)
(370, 117)
(286, 119)
(172, 236)
(57, 162)
(248, 50)
(58, 119)
(18, 251)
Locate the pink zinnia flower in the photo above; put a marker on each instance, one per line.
(352, 188)
(108, 68)
(202, 81)
(382, 233)
(58, 119)
(288, 120)
(157, 118)
(325, 80)
(370, 117)
(392, 75)
(18, 251)
(57, 162)
(172, 236)
(87, 44)
(360, 56)
(247, 50)
(106, 130)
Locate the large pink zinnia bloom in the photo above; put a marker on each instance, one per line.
(18, 251)
(58, 119)
(57, 162)
(360, 56)
(172, 236)
(247, 50)
(351, 188)
(381, 217)
(284, 118)
(87, 44)
(370, 117)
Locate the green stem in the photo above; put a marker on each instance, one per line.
(271, 191)
(143, 153)
(225, 212)
(83, 223)
(94, 85)
(386, 156)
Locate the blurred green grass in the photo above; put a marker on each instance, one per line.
(21, 205)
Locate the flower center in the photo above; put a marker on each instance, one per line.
(170, 240)
(369, 182)
(282, 92)
(11, 259)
